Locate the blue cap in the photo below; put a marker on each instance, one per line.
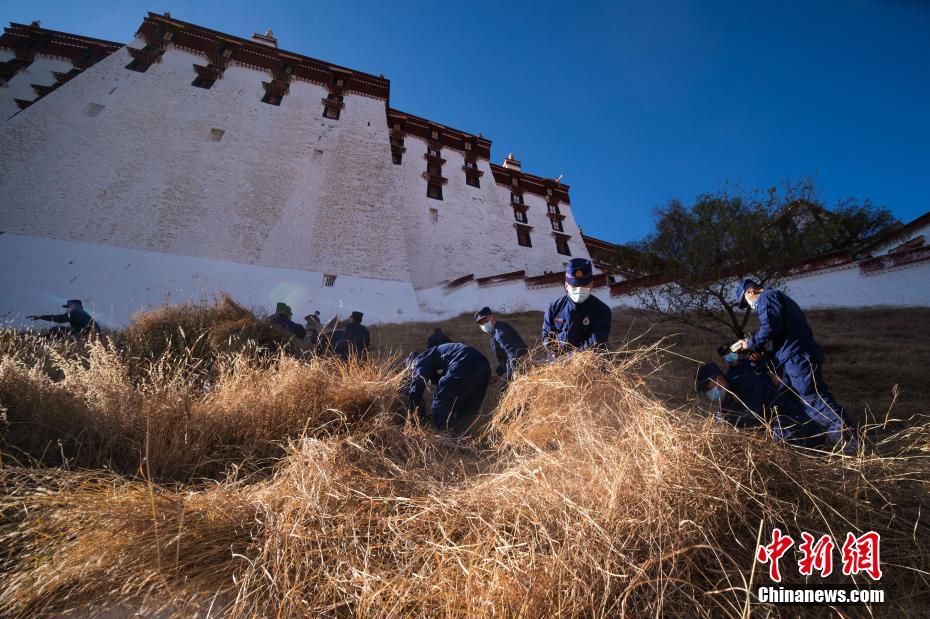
(73, 302)
(578, 272)
(483, 313)
(741, 292)
(704, 374)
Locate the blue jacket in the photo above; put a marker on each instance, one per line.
(782, 323)
(507, 347)
(582, 325)
(77, 319)
(288, 325)
(450, 367)
(357, 338)
(757, 393)
(437, 338)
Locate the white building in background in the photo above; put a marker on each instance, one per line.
(190, 162)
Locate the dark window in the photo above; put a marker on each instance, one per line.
(516, 198)
(271, 99)
(396, 157)
(471, 164)
(434, 169)
(472, 179)
(434, 215)
(138, 66)
(467, 145)
(434, 191)
(331, 112)
(561, 246)
(523, 237)
(329, 280)
(557, 225)
(554, 209)
(433, 152)
(202, 82)
(520, 216)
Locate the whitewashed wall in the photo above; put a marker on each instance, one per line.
(20, 85)
(114, 283)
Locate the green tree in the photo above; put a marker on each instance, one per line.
(700, 253)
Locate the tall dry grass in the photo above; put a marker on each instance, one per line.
(587, 497)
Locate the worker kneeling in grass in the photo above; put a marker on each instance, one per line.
(745, 399)
(461, 375)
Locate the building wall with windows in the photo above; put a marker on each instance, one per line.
(187, 142)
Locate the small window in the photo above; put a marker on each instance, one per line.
(216, 135)
(516, 198)
(138, 66)
(434, 191)
(472, 180)
(467, 145)
(329, 280)
(202, 82)
(520, 216)
(332, 111)
(561, 246)
(271, 99)
(434, 215)
(434, 169)
(557, 225)
(433, 152)
(554, 209)
(514, 181)
(93, 109)
(434, 134)
(523, 238)
(471, 164)
(396, 157)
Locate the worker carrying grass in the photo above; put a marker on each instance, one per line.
(578, 320)
(746, 399)
(282, 318)
(79, 322)
(506, 344)
(461, 375)
(798, 358)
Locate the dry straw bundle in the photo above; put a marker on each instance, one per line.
(586, 497)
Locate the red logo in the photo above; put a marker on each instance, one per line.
(859, 554)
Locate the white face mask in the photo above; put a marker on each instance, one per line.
(579, 294)
(716, 394)
(487, 327)
(731, 357)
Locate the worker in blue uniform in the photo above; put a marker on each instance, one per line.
(461, 375)
(356, 341)
(282, 318)
(798, 358)
(577, 320)
(436, 338)
(506, 344)
(79, 321)
(744, 399)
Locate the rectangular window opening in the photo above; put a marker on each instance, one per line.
(557, 226)
(138, 66)
(271, 99)
(331, 112)
(561, 246)
(434, 191)
(434, 215)
(202, 82)
(216, 134)
(93, 109)
(523, 238)
(520, 216)
(329, 280)
(471, 179)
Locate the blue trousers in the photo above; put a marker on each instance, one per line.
(803, 372)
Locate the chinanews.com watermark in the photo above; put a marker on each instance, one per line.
(859, 556)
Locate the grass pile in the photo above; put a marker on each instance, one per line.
(588, 496)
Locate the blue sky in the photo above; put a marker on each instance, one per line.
(635, 103)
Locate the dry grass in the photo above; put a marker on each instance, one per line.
(589, 496)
